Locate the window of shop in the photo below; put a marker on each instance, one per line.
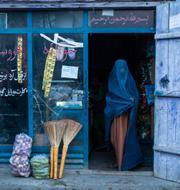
(13, 77)
(64, 88)
(14, 89)
(41, 77)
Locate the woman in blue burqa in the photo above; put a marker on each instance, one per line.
(120, 116)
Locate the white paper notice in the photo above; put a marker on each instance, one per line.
(107, 13)
(174, 21)
(69, 72)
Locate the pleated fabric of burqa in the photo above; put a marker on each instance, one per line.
(120, 116)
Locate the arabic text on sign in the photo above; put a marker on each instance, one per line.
(11, 54)
(6, 92)
(11, 76)
(122, 20)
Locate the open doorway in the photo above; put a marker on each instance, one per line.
(138, 50)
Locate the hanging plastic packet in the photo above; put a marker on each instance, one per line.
(71, 51)
(19, 59)
(19, 161)
(46, 69)
(49, 70)
(60, 53)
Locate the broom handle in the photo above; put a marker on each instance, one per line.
(55, 161)
(51, 161)
(64, 153)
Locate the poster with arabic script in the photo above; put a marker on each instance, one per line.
(13, 87)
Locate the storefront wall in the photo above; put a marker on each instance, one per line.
(35, 49)
(26, 62)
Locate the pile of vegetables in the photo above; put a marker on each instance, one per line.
(19, 161)
(40, 166)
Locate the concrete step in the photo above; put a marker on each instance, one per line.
(87, 180)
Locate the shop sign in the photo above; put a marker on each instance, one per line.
(122, 18)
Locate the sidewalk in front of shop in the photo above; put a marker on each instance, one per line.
(87, 180)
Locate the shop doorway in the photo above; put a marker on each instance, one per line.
(139, 51)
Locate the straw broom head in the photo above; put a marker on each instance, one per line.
(71, 131)
(49, 127)
(55, 131)
(59, 130)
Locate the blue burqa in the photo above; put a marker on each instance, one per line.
(123, 97)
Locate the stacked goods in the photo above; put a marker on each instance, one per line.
(40, 166)
(19, 160)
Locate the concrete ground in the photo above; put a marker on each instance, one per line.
(87, 180)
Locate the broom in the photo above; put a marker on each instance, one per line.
(71, 131)
(59, 130)
(51, 136)
(55, 130)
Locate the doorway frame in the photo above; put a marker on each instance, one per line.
(89, 30)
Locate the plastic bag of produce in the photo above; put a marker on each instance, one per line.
(19, 161)
(22, 145)
(40, 166)
(20, 165)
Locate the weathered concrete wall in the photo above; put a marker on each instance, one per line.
(39, 4)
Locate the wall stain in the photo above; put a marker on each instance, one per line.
(164, 82)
